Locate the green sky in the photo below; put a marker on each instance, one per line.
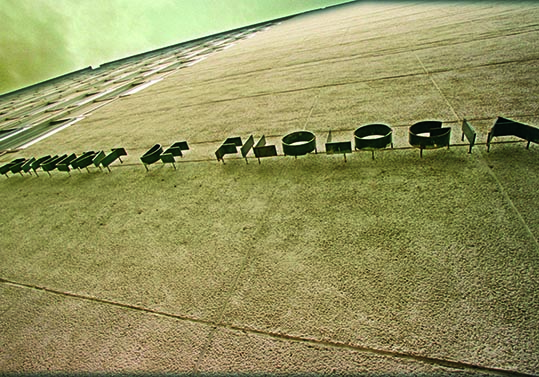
(41, 39)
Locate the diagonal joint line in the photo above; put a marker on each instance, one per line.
(313, 106)
(510, 202)
(437, 87)
(219, 323)
(275, 335)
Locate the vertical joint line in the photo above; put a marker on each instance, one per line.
(311, 111)
(510, 202)
(437, 87)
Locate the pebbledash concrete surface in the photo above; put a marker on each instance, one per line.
(399, 265)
